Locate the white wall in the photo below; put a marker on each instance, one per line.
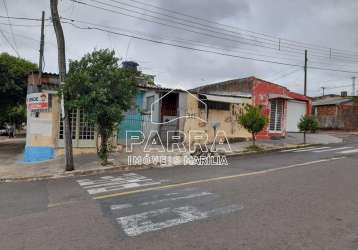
(153, 114)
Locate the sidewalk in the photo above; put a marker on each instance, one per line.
(12, 166)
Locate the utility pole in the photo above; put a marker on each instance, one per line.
(62, 71)
(353, 86)
(42, 46)
(305, 88)
(323, 89)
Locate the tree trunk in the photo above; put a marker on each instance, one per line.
(253, 139)
(104, 150)
(304, 137)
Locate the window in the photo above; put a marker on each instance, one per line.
(72, 117)
(78, 124)
(276, 114)
(149, 102)
(214, 105)
(86, 128)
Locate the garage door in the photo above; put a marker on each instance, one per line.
(295, 110)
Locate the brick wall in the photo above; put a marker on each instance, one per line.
(348, 115)
(237, 85)
(341, 117)
(260, 96)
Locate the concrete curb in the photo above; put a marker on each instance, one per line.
(271, 150)
(75, 173)
(124, 168)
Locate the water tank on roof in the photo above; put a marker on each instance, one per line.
(131, 65)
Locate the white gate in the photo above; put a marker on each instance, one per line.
(295, 110)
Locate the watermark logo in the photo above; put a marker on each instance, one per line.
(162, 143)
(174, 152)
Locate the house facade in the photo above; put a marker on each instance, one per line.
(44, 132)
(336, 112)
(163, 114)
(210, 117)
(157, 111)
(283, 107)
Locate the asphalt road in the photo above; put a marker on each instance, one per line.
(304, 199)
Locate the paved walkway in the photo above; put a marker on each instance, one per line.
(12, 165)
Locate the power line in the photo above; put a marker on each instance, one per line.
(168, 23)
(191, 42)
(22, 18)
(11, 29)
(338, 87)
(22, 25)
(197, 43)
(271, 38)
(208, 51)
(237, 28)
(275, 41)
(10, 44)
(286, 74)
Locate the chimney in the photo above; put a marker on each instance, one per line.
(130, 65)
(344, 94)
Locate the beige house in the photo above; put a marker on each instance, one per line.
(211, 113)
(44, 132)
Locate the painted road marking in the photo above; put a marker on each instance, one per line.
(217, 178)
(349, 151)
(158, 211)
(120, 206)
(311, 149)
(155, 202)
(332, 149)
(109, 183)
(189, 196)
(294, 149)
(134, 225)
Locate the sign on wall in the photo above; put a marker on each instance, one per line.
(37, 101)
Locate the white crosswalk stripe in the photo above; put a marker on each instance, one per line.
(109, 183)
(349, 151)
(331, 149)
(318, 150)
(167, 209)
(295, 149)
(311, 149)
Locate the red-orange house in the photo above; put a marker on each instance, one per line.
(282, 107)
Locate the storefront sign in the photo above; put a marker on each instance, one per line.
(37, 101)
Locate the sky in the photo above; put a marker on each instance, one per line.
(220, 26)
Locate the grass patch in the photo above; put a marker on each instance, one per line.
(254, 148)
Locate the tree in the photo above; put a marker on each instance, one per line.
(307, 123)
(98, 85)
(253, 120)
(13, 86)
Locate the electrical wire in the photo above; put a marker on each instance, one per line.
(209, 51)
(190, 29)
(14, 46)
(237, 28)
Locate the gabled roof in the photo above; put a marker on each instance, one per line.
(199, 88)
(332, 101)
(238, 80)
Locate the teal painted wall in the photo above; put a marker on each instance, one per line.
(132, 119)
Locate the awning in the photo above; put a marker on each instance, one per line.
(278, 96)
(226, 99)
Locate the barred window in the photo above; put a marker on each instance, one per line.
(86, 128)
(72, 118)
(276, 114)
